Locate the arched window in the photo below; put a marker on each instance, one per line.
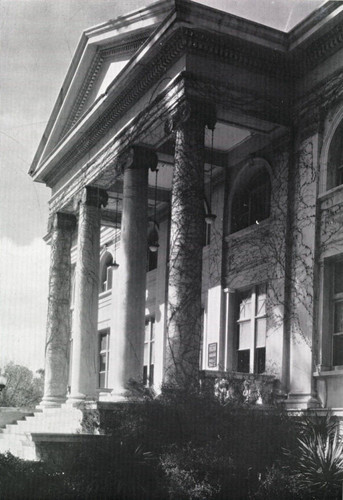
(106, 272)
(335, 159)
(251, 201)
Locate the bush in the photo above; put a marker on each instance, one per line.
(189, 446)
(21, 479)
(279, 483)
(317, 461)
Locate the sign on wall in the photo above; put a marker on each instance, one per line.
(212, 355)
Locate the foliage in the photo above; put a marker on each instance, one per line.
(313, 468)
(116, 470)
(279, 483)
(185, 445)
(201, 448)
(23, 389)
(188, 471)
(21, 479)
(317, 461)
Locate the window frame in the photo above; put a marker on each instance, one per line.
(148, 370)
(253, 318)
(335, 298)
(244, 192)
(106, 273)
(103, 352)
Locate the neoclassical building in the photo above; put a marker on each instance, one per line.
(195, 161)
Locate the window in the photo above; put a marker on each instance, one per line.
(251, 330)
(149, 352)
(335, 159)
(337, 311)
(251, 202)
(104, 351)
(106, 274)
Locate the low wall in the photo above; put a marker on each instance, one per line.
(62, 449)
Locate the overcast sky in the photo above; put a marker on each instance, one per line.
(38, 39)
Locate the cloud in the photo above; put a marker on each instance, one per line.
(23, 302)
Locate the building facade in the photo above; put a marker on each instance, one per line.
(195, 161)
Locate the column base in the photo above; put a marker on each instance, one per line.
(51, 402)
(78, 398)
(301, 402)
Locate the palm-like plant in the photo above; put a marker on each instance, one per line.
(317, 462)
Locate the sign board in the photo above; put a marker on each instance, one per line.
(212, 355)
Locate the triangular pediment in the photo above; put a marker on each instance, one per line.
(104, 67)
(102, 54)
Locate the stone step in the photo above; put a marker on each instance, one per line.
(17, 437)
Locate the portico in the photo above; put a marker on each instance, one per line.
(212, 106)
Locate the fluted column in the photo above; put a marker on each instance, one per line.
(127, 333)
(85, 316)
(186, 242)
(58, 320)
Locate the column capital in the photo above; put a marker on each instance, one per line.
(191, 109)
(137, 157)
(61, 220)
(93, 196)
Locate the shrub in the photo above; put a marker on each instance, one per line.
(21, 479)
(317, 461)
(279, 483)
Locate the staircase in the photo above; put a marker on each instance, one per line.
(17, 438)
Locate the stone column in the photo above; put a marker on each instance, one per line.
(186, 242)
(127, 333)
(85, 317)
(58, 321)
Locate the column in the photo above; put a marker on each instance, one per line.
(85, 316)
(302, 285)
(186, 242)
(127, 332)
(58, 321)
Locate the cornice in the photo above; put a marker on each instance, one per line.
(135, 83)
(319, 50)
(182, 40)
(238, 53)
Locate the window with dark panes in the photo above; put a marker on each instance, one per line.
(149, 352)
(337, 341)
(104, 351)
(252, 327)
(251, 202)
